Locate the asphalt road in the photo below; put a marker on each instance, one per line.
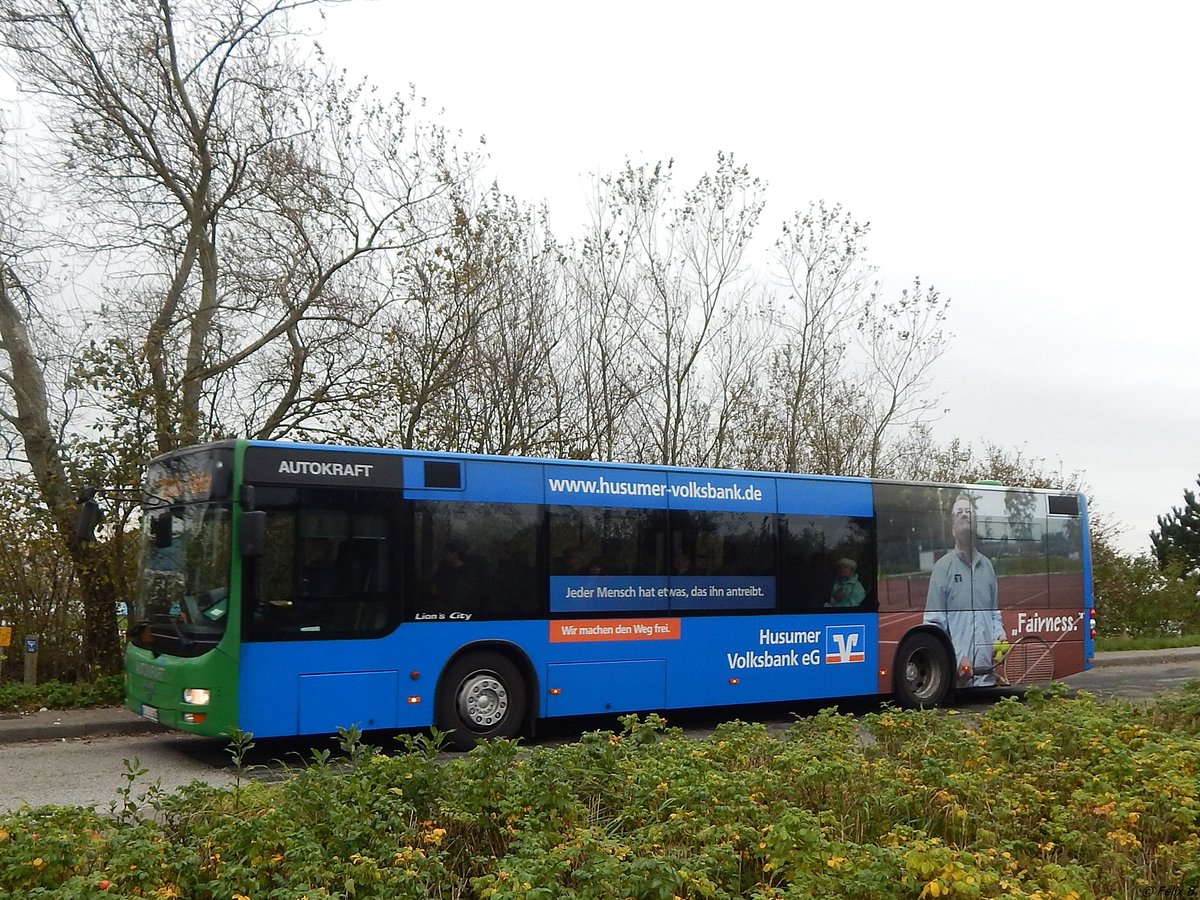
(88, 771)
(1137, 682)
(92, 771)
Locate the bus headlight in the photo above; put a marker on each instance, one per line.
(197, 696)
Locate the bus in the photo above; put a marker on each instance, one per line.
(295, 589)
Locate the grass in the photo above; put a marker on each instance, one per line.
(1148, 643)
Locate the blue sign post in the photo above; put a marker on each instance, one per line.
(31, 651)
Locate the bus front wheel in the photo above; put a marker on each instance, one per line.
(922, 676)
(482, 696)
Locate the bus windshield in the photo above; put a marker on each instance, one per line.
(181, 601)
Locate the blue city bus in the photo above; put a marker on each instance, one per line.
(292, 589)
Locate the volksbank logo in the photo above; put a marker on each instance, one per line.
(845, 644)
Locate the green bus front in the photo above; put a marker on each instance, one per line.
(182, 655)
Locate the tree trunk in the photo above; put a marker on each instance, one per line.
(44, 453)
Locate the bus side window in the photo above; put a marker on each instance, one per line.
(325, 568)
(593, 540)
(722, 543)
(472, 561)
(319, 576)
(810, 549)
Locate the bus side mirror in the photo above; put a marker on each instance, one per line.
(253, 533)
(88, 516)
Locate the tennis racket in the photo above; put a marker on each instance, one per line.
(1030, 660)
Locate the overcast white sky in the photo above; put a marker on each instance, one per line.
(1036, 162)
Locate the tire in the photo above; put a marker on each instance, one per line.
(921, 676)
(481, 696)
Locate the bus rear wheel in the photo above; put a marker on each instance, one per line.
(921, 675)
(482, 696)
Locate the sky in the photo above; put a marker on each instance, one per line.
(1035, 162)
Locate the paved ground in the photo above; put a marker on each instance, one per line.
(76, 723)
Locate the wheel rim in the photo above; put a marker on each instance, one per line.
(482, 700)
(923, 674)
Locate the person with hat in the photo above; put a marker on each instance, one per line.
(847, 589)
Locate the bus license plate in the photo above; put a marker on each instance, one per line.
(149, 712)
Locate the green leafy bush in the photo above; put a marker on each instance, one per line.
(1051, 797)
(108, 690)
(1136, 597)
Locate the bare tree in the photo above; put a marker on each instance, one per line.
(428, 347)
(242, 200)
(850, 367)
(35, 427)
(606, 376)
(473, 361)
(518, 402)
(687, 273)
(287, 254)
(737, 360)
(821, 259)
(902, 338)
(29, 410)
(248, 184)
